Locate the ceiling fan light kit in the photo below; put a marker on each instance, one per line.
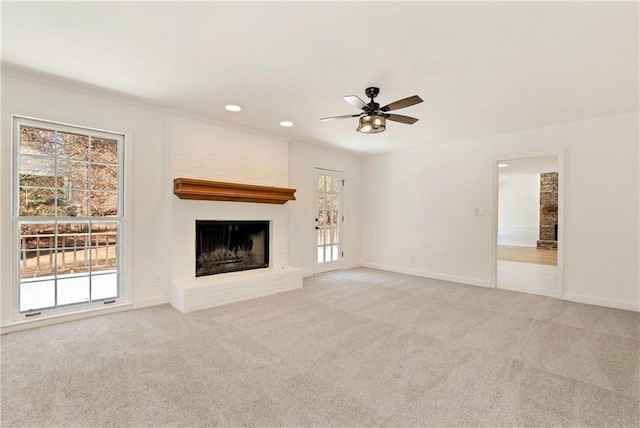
(373, 118)
(372, 124)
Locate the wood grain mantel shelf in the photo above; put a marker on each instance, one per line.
(205, 190)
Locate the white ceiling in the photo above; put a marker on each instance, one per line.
(482, 68)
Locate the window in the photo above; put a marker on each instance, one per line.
(68, 213)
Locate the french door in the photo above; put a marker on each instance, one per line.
(329, 221)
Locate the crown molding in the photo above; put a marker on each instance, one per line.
(31, 75)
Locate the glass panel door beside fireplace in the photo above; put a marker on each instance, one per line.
(329, 222)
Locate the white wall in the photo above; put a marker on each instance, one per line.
(209, 151)
(164, 145)
(303, 159)
(419, 206)
(147, 204)
(519, 210)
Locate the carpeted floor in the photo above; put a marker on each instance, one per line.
(353, 348)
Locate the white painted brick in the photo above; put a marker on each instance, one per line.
(212, 152)
(207, 151)
(234, 287)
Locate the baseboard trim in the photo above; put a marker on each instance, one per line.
(62, 318)
(352, 266)
(609, 303)
(432, 275)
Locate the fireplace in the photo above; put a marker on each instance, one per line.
(231, 246)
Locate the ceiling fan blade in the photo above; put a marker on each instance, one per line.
(406, 102)
(402, 119)
(346, 116)
(355, 101)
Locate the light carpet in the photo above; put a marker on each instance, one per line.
(353, 348)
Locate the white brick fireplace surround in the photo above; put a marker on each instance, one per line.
(208, 151)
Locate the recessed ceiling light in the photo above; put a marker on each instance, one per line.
(232, 107)
(286, 124)
(503, 165)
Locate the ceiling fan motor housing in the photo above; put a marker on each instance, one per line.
(372, 92)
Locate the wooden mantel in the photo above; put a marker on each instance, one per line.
(205, 190)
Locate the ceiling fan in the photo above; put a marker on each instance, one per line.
(373, 118)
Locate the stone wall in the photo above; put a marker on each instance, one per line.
(548, 210)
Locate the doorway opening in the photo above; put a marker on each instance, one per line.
(528, 224)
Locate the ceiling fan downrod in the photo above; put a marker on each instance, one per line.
(372, 92)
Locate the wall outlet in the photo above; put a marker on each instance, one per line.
(158, 281)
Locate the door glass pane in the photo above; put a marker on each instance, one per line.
(335, 202)
(329, 188)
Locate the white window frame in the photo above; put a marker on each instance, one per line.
(122, 292)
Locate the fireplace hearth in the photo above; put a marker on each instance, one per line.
(231, 246)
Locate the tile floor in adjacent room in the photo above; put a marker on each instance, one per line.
(529, 278)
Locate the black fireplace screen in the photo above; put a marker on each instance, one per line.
(230, 246)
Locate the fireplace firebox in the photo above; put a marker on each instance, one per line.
(231, 246)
